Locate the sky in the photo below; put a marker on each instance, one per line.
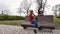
(12, 5)
(50, 4)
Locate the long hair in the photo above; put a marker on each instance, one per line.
(31, 12)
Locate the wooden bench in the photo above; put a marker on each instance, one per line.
(44, 22)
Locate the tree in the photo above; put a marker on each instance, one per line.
(42, 5)
(40, 2)
(56, 9)
(24, 5)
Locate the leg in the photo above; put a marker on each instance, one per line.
(35, 31)
(39, 28)
(24, 27)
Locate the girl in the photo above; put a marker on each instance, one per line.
(31, 16)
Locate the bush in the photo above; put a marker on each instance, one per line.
(6, 17)
(3, 17)
(16, 18)
(19, 18)
(11, 18)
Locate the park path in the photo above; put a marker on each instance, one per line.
(9, 29)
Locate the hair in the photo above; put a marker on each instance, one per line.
(31, 11)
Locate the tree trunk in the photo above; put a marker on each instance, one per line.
(55, 13)
(27, 11)
(44, 5)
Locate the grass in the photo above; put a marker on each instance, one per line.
(57, 20)
(12, 22)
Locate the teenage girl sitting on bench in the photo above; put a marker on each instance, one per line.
(33, 20)
(31, 16)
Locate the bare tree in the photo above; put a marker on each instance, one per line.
(42, 4)
(56, 9)
(24, 5)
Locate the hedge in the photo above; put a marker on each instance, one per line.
(7, 17)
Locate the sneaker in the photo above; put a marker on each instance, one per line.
(35, 31)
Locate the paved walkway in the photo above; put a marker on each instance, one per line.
(9, 29)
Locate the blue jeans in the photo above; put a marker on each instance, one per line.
(35, 22)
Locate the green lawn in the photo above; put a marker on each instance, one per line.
(12, 22)
(57, 20)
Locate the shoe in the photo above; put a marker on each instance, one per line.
(35, 31)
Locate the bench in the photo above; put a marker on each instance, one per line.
(44, 22)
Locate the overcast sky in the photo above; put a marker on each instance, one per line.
(12, 5)
(51, 3)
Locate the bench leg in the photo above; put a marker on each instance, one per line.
(24, 27)
(39, 28)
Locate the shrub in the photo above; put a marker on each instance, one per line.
(16, 18)
(3, 17)
(19, 18)
(6, 17)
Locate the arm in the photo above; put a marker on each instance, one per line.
(34, 14)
